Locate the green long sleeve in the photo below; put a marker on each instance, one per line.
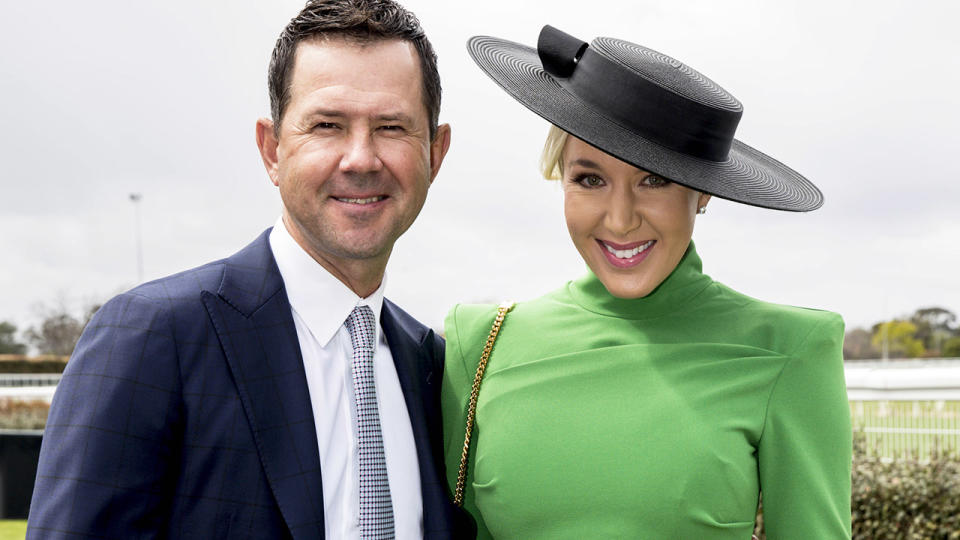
(805, 448)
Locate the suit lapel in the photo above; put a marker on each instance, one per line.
(251, 315)
(406, 352)
(415, 371)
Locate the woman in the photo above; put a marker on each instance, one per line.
(645, 400)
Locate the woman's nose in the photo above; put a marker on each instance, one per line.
(622, 216)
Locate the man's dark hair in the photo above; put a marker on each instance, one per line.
(362, 21)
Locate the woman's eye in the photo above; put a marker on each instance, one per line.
(652, 180)
(589, 180)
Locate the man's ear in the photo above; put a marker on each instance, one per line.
(267, 143)
(438, 149)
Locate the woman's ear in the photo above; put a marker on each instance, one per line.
(702, 201)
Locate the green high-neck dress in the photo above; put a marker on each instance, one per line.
(658, 417)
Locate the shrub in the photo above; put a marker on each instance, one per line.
(906, 498)
(20, 414)
(951, 348)
(15, 363)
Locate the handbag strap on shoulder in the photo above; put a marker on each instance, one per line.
(474, 393)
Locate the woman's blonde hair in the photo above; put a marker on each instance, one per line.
(551, 166)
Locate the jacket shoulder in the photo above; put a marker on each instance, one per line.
(778, 327)
(467, 321)
(415, 328)
(245, 270)
(466, 328)
(187, 285)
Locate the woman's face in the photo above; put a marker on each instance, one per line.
(629, 225)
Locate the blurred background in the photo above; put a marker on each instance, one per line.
(106, 99)
(128, 154)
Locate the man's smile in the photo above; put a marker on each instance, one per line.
(364, 200)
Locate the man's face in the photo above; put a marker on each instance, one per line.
(354, 158)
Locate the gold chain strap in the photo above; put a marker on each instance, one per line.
(474, 393)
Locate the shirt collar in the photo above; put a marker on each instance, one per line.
(320, 299)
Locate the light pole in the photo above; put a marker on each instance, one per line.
(135, 199)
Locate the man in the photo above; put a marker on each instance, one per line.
(275, 393)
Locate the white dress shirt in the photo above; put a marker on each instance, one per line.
(321, 304)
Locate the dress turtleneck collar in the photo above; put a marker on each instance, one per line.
(682, 285)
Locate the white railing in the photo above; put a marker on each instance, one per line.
(908, 380)
(29, 379)
(906, 408)
(28, 386)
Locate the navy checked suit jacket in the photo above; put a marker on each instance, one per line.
(184, 413)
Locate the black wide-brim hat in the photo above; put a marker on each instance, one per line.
(646, 109)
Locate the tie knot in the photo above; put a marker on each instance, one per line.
(362, 327)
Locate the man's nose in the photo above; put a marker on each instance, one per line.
(622, 215)
(360, 155)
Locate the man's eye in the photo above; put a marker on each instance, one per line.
(325, 125)
(391, 128)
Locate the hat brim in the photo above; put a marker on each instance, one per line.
(747, 176)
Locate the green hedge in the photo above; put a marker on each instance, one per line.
(20, 414)
(18, 363)
(904, 499)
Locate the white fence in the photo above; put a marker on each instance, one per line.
(29, 379)
(906, 408)
(28, 386)
(907, 380)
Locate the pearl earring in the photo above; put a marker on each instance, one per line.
(702, 209)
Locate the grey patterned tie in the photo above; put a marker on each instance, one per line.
(376, 507)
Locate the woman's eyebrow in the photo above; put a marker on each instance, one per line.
(583, 162)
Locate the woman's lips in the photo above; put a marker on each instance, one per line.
(626, 255)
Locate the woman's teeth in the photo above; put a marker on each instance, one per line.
(627, 253)
(368, 200)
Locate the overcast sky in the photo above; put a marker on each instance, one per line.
(105, 98)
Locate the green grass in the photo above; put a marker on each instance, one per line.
(13, 529)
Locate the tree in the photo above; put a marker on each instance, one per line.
(8, 339)
(934, 326)
(951, 348)
(857, 345)
(900, 338)
(59, 330)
